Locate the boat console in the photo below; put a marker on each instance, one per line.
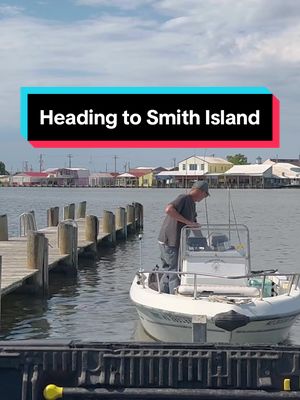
(219, 255)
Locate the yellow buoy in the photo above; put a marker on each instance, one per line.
(287, 385)
(53, 392)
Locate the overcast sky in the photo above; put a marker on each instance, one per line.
(146, 42)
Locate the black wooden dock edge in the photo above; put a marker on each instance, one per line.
(88, 370)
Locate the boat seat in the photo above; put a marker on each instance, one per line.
(223, 290)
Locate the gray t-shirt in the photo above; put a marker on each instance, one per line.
(170, 231)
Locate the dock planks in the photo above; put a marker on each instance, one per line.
(14, 255)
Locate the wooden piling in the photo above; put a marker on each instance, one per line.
(139, 215)
(32, 213)
(91, 230)
(3, 228)
(67, 243)
(106, 222)
(136, 211)
(81, 210)
(121, 223)
(69, 211)
(27, 223)
(53, 216)
(131, 218)
(108, 225)
(35, 249)
(114, 232)
(45, 273)
(37, 258)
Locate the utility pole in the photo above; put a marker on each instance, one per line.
(92, 165)
(70, 156)
(25, 166)
(174, 162)
(115, 158)
(125, 167)
(41, 162)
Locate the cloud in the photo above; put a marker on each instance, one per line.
(10, 11)
(189, 42)
(122, 4)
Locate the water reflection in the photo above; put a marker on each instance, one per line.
(95, 305)
(24, 317)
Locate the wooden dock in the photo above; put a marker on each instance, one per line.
(22, 265)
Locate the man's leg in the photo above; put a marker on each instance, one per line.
(169, 257)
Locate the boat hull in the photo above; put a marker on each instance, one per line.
(167, 327)
(168, 318)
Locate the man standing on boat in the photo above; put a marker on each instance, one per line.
(180, 212)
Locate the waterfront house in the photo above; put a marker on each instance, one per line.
(285, 174)
(206, 165)
(68, 176)
(148, 179)
(30, 179)
(213, 168)
(138, 177)
(5, 180)
(294, 161)
(127, 180)
(249, 176)
(177, 179)
(101, 179)
(195, 168)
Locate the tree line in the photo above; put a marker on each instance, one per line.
(3, 169)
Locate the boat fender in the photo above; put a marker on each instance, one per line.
(230, 320)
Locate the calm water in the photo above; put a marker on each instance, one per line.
(95, 305)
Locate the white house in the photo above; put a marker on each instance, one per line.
(30, 178)
(249, 176)
(286, 174)
(102, 179)
(68, 176)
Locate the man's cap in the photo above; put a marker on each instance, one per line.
(201, 185)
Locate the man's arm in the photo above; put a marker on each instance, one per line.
(173, 213)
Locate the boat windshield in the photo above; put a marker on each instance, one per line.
(215, 241)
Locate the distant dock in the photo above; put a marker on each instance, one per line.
(25, 261)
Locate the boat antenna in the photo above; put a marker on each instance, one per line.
(206, 214)
(140, 240)
(229, 216)
(186, 179)
(234, 217)
(205, 200)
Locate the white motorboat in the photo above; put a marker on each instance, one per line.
(218, 295)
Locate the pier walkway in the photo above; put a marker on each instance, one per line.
(24, 258)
